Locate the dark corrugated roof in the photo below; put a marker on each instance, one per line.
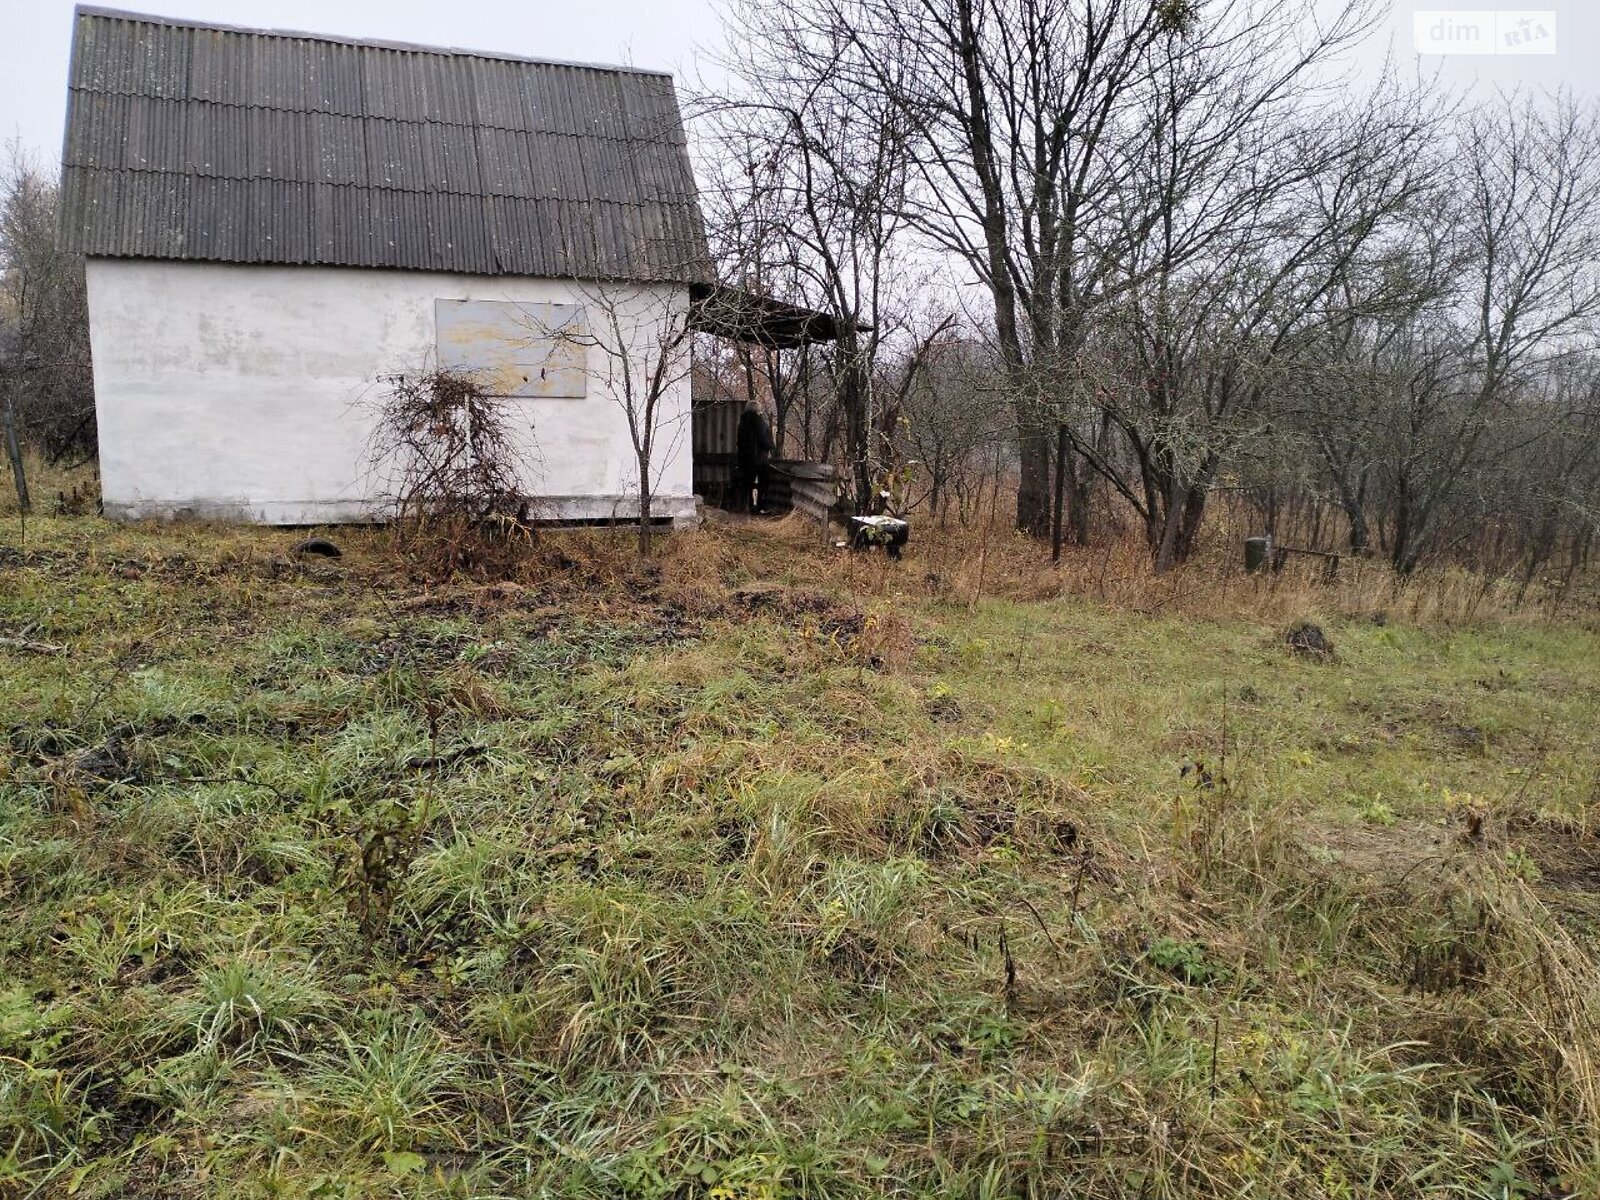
(732, 312)
(208, 142)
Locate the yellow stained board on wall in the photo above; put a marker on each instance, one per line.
(533, 348)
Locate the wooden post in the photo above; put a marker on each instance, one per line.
(14, 452)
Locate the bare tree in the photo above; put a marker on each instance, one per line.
(44, 323)
(639, 344)
(1412, 414)
(1024, 122)
(954, 417)
(819, 214)
(1267, 227)
(755, 245)
(1206, 259)
(1016, 105)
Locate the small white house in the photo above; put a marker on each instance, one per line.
(274, 222)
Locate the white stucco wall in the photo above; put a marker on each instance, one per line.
(245, 392)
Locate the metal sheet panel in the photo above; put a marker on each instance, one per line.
(197, 141)
(515, 349)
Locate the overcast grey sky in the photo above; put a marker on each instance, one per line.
(35, 37)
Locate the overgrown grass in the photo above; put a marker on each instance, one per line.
(66, 487)
(759, 872)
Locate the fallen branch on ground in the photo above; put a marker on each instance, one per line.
(30, 647)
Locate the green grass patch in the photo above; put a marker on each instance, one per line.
(316, 882)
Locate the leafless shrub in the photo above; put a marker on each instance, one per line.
(454, 466)
(44, 320)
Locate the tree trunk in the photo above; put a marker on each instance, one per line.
(1060, 492)
(1360, 536)
(14, 453)
(1167, 547)
(1033, 482)
(853, 400)
(644, 506)
(1402, 556)
(806, 413)
(1082, 493)
(747, 360)
(1186, 509)
(781, 399)
(1355, 512)
(1194, 512)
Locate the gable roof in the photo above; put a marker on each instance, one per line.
(212, 143)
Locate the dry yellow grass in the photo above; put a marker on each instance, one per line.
(763, 869)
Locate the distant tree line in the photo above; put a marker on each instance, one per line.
(1126, 256)
(1135, 254)
(46, 383)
